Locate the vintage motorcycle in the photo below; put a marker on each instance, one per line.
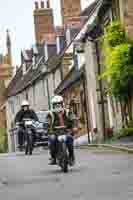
(29, 125)
(63, 158)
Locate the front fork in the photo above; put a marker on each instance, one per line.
(28, 135)
(55, 147)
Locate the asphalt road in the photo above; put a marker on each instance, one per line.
(98, 175)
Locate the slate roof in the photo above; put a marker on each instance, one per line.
(87, 11)
(72, 77)
(19, 82)
(22, 81)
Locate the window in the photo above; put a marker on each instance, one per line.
(17, 101)
(54, 85)
(92, 109)
(68, 36)
(24, 69)
(115, 9)
(44, 87)
(11, 105)
(125, 7)
(27, 97)
(34, 95)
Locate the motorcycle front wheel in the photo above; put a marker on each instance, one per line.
(29, 145)
(64, 158)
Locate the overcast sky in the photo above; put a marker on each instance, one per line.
(17, 16)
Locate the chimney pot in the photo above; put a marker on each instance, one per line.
(48, 4)
(42, 4)
(36, 5)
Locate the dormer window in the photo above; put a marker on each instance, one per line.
(46, 51)
(79, 47)
(79, 58)
(58, 44)
(24, 68)
(68, 36)
(125, 7)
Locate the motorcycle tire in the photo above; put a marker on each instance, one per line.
(64, 159)
(30, 151)
(26, 150)
(30, 145)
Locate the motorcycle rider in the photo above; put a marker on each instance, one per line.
(59, 118)
(25, 112)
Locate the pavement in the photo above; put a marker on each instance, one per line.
(123, 144)
(98, 175)
(82, 140)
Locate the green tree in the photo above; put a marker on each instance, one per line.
(3, 141)
(118, 60)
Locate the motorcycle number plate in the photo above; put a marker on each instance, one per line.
(28, 123)
(29, 131)
(62, 138)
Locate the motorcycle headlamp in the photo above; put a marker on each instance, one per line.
(62, 138)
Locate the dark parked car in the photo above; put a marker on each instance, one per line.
(42, 129)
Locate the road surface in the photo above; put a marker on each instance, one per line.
(98, 175)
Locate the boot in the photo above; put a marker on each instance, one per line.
(71, 154)
(52, 158)
(52, 161)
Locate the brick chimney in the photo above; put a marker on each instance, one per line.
(70, 9)
(43, 20)
(59, 38)
(42, 5)
(36, 5)
(48, 4)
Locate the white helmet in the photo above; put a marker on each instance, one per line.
(57, 103)
(25, 103)
(57, 99)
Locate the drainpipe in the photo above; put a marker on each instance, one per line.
(49, 102)
(86, 107)
(101, 90)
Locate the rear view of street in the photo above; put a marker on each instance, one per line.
(98, 174)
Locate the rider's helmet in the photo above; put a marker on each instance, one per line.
(57, 103)
(25, 105)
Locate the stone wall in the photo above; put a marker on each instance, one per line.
(128, 16)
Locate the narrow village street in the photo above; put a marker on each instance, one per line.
(66, 80)
(98, 175)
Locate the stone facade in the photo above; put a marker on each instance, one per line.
(73, 99)
(128, 16)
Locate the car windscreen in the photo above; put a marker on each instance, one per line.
(42, 116)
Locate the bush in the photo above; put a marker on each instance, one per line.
(3, 141)
(124, 132)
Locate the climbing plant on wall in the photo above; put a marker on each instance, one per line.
(118, 59)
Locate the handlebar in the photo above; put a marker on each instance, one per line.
(19, 123)
(60, 127)
(27, 119)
